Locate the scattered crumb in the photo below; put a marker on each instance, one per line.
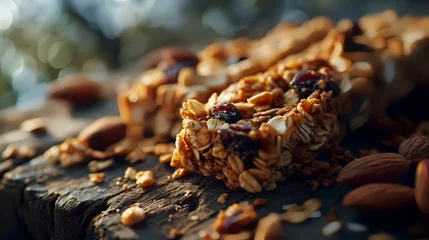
(165, 158)
(27, 181)
(381, 236)
(259, 201)
(168, 177)
(130, 173)
(269, 227)
(194, 218)
(26, 151)
(125, 186)
(244, 235)
(98, 166)
(96, 178)
(145, 179)
(42, 179)
(175, 233)
(180, 172)
(133, 215)
(10, 152)
(118, 183)
(187, 193)
(235, 218)
(157, 167)
(117, 210)
(135, 155)
(222, 198)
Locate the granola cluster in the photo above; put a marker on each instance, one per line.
(288, 114)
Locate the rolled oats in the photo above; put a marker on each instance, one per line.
(133, 215)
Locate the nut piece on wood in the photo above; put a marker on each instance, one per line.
(96, 178)
(133, 215)
(382, 167)
(103, 132)
(145, 179)
(235, 218)
(414, 149)
(269, 227)
(35, 125)
(379, 196)
(76, 89)
(422, 186)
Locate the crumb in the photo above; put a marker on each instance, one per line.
(96, 178)
(97, 166)
(157, 167)
(187, 193)
(145, 179)
(26, 151)
(10, 152)
(235, 218)
(125, 186)
(175, 233)
(222, 198)
(194, 218)
(117, 210)
(130, 173)
(180, 172)
(259, 201)
(133, 215)
(27, 181)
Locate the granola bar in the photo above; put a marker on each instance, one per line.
(269, 126)
(153, 103)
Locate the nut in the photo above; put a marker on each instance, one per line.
(222, 198)
(414, 149)
(133, 215)
(130, 173)
(382, 167)
(35, 125)
(76, 89)
(97, 166)
(422, 186)
(379, 196)
(269, 227)
(145, 179)
(298, 214)
(96, 178)
(235, 218)
(103, 132)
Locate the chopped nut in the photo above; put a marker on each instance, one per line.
(130, 173)
(234, 218)
(26, 152)
(163, 148)
(125, 186)
(10, 152)
(165, 158)
(259, 201)
(133, 215)
(298, 214)
(96, 178)
(222, 198)
(180, 172)
(244, 235)
(269, 227)
(135, 155)
(68, 160)
(145, 179)
(97, 166)
(35, 125)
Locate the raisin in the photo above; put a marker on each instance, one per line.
(308, 81)
(226, 112)
(172, 72)
(235, 139)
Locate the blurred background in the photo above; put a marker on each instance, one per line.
(42, 40)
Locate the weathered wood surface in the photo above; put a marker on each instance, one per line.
(61, 203)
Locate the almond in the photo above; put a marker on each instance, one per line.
(169, 54)
(379, 196)
(381, 167)
(414, 149)
(103, 132)
(76, 89)
(422, 186)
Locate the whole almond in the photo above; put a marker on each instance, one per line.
(170, 54)
(103, 132)
(415, 148)
(381, 167)
(379, 196)
(422, 186)
(76, 89)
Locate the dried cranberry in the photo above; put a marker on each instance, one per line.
(234, 59)
(239, 141)
(172, 72)
(226, 112)
(308, 81)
